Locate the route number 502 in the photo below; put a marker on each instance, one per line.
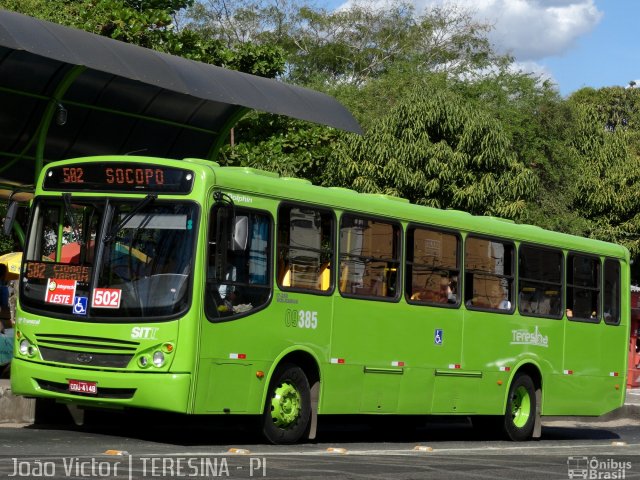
(106, 298)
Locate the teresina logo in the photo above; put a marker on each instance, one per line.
(524, 337)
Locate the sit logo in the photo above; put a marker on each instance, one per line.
(145, 333)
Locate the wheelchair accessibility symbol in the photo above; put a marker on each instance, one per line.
(437, 336)
(80, 305)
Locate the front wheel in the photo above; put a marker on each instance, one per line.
(288, 407)
(519, 418)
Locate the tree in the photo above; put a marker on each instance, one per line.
(151, 24)
(538, 123)
(607, 178)
(352, 45)
(439, 151)
(145, 23)
(360, 55)
(291, 148)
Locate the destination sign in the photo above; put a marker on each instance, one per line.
(46, 270)
(118, 176)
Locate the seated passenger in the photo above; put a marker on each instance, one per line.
(504, 305)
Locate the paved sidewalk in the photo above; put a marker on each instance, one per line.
(633, 396)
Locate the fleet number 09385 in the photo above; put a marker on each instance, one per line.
(301, 318)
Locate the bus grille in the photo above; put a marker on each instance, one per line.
(86, 351)
(113, 360)
(119, 393)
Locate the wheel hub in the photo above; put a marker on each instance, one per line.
(520, 407)
(286, 405)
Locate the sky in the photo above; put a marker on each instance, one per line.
(575, 43)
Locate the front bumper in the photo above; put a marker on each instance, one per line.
(122, 389)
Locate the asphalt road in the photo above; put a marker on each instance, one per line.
(158, 446)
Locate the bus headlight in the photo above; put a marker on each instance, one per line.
(26, 348)
(158, 359)
(143, 361)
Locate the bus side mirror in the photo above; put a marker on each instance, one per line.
(9, 220)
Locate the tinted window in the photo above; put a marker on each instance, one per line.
(583, 287)
(540, 282)
(611, 292)
(304, 248)
(238, 266)
(432, 267)
(488, 274)
(369, 257)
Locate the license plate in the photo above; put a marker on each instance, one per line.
(80, 386)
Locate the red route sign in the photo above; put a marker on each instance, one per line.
(60, 292)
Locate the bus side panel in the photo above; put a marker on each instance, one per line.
(386, 354)
(235, 351)
(496, 344)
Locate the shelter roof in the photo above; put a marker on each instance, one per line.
(66, 93)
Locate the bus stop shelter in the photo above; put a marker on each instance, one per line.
(66, 93)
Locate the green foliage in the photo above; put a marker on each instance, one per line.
(150, 24)
(538, 123)
(607, 190)
(353, 45)
(262, 60)
(436, 150)
(288, 147)
(170, 6)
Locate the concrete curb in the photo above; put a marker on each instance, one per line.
(14, 409)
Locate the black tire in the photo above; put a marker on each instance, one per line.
(520, 414)
(287, 411)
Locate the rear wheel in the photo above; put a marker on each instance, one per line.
(519, 418)
(288, 407)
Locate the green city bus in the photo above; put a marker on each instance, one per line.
(185, 286)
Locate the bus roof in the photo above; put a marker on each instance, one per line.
(269, 184)
(254, 182)
(250, 182)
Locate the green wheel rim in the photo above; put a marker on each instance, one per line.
(286, 405)
(520, 407)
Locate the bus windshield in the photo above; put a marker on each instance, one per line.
(109, 259)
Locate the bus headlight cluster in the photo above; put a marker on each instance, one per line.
(26, 348)
(158, 358)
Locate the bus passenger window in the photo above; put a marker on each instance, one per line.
(583, 287)
(539, 282)
(369, 258)
(612, 292)
(238, 272)
(488, 274)
(432, 267)
(305, 248)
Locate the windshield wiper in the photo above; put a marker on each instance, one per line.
(143, 203)
(66, 198)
